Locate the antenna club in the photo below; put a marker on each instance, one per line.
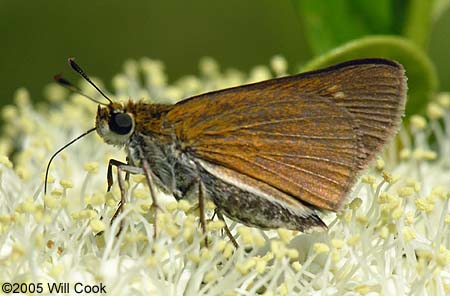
(76, 67)
(86, 77)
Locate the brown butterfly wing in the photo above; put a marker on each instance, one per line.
(373, 91)
(306, 135)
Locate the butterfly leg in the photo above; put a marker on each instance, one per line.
(150, 176)
(201, 206)
(117, 163)
(121, 167)
(227, 230)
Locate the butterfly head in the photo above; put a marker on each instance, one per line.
(115, 124)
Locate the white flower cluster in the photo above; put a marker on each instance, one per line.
(393, 237)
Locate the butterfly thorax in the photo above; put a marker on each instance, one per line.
(176, 172)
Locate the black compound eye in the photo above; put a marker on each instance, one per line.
(120, 123)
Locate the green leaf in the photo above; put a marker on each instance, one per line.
(417, 24)
(330, 23)
(440, 6)
(422, 76)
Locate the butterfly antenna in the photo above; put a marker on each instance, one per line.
(59, 150)
(80, 71)
(70, 86)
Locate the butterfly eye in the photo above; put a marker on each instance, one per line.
(120, 123)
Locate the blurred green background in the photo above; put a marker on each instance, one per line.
(38, 36)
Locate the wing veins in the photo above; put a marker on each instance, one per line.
(273, 172)
(327, 160)
(375, 119)
(369, 96)
(281, 176)
(304, 170)
(243, 107)
(299, 136)
(220, 151)
(262, 123)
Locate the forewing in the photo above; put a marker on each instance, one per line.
(306, 135)
(373, 91)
